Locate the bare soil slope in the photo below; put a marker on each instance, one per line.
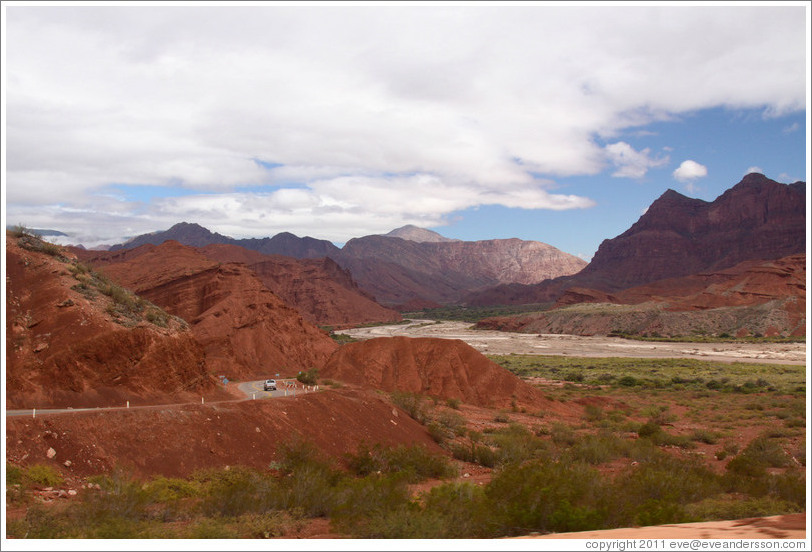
(64, 348)
(176, 441)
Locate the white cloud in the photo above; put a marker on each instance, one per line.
(754, 169)
(631, 163)
(690, 170)
(386, 112)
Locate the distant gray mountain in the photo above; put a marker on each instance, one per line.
(416, 234)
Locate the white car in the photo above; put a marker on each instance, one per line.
(270, 385)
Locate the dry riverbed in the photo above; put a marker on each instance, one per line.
(502, 343)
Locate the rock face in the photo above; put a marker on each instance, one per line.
(64, 348)
(757, 219)
(244, 328)
(398, 271)
(443, 368)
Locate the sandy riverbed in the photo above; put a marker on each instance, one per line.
(501, 343)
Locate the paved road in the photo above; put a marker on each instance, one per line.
(284, 388)
(253, 390)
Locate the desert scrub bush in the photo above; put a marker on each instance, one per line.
(516, 444)
(42, 475)
(157, 317)
(120, 496)
(310, 377)
(14, 475)
(463, 509)
(656, 491)
(266, 525)
(545, 496)
(355, 499)
(705, 436)
(563, 434)
(598, 449)
(453, 421)
(42, 523)
(593, 413)
(453, 403)
(474, 453)
(407, 521)
(761, 453)
(235, 491)
(415, 462)
(413, 404)
(32, 241)
(211, 528)
(725, 507)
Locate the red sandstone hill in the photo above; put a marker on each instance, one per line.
(757, 219)
(244, 328)
(66, 347)
(442, 368)
(319, 289)
(751, 298)
(324, 293)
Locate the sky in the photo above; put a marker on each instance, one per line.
(553, 122)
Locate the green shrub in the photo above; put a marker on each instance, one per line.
(563, 434)
(463, 508)
(705, 436)
(311, 377)
(516, 444)
(208, 528)
(726, 507)
(760, 454)
(453, 403)
(453, 421)
(355, 499)
(411, 403)
(546, 497)
(475, 453)
(415, 462)
(43, 475)
(598, 449)
(14, 475)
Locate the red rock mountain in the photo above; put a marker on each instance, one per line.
(244, 328)
(423, 269)
(757, 219)
(442, 368)
(65, 348)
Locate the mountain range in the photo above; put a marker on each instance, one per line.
(407, 268)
